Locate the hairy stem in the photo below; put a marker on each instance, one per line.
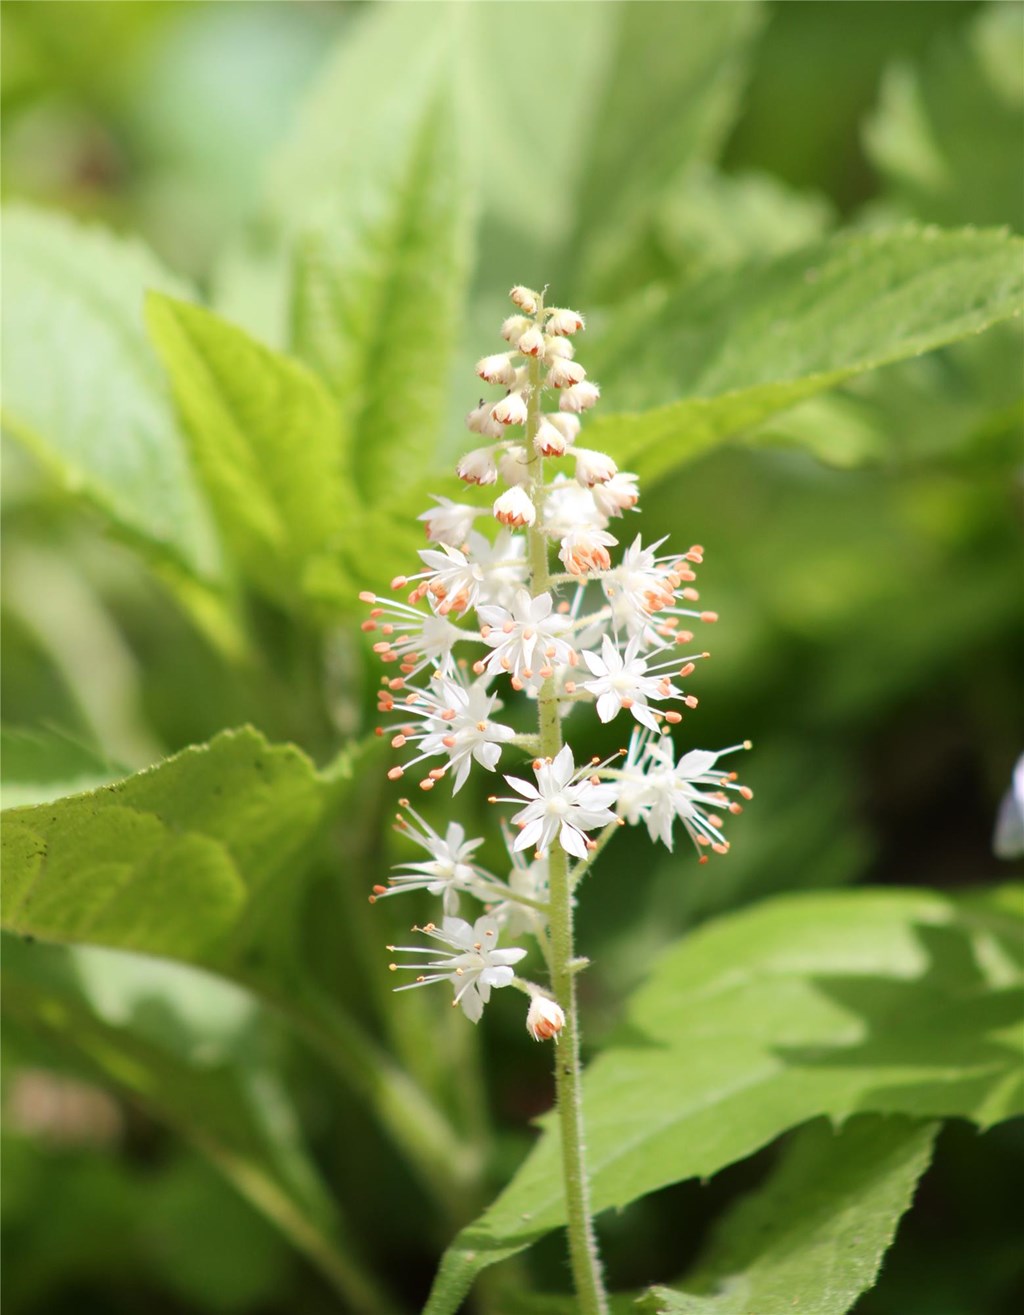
(586, 1265)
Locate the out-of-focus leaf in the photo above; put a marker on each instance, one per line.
(40, 765)
(193, 1051)
(203, 859)
(888, 1002)
(744, 344)
(814, 1236)
(947, 133)
(83, 390)
(263, 432)
(668, 99)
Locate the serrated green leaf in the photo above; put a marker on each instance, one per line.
(888, 1002)
(813, 1237)
(193, 1051)
(748, 343)
(83, 390)
(202, 859)
(263, 432)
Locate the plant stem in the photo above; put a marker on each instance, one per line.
(586, 1265)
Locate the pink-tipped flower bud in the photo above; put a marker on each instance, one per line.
(514, 508)
(480, 421)
(514, 327)
(513, 465)
(549, 439)
(617, 494)
(526, 299)
(497, 369)
(585, 550)
(511, 410)
(478, 466)
(567, 424)
(564, 322)
(531, 343)
(593, 467)
(565, 374)
(580, 397)
(545, 1019)
(557, 349)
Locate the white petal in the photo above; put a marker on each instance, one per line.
(572, 842)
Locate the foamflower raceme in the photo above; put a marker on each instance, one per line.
(557, 607)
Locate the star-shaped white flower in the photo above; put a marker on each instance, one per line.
(563, 805)
(472, 962)
(449, 871)
(622, 682)
(527, 639)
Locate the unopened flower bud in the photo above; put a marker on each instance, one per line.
(564, 374)
(514, 508)
(545, 1018)
(566, 424)
(580, 397)
(549, 439)
(514, 327)
(497, 369)
(526, 299)
(478, 466)
(480, 421)
(557, 349)
(593, 467)
(564, 322)
(531, 343)
(513, 465)
(511, 410)
(449, 522)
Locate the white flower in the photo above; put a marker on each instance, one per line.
(643, 585)
(410, 636)
(514, 465)
(564, 321)
(502, 566)
(593, 467)
(526, 299)
(584, 549)
(565, 374)
(449, 522)
(544, 1019)
(511, 410)
(515, 507)
(451, 579)
(580, 397)
(456, 723)
(532, 342)
(658, 790)
(527, 640)
(449, 870)
(557, 349)
(561, 806)
(480, 421)
(570, 507)
(473, 963)
(514, 327)
(549, 440)
(622, 681)
(478, 466)
(617, 494)
(497, 369)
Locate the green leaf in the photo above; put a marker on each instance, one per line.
(194, 1052)
(203, 859)
(40, 765)
(814, 1236)
(887, 1002)
(83, 390)
(745, 344)
(380, 218)
(947, 134)
(263, 431)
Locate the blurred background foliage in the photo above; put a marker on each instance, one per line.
(863, 552)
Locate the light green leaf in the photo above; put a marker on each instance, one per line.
(193, 1051)
(745, 344)
(374, 192)
(887, 1002)
(203, 859)
(263, 431)
(83, 390)
(814, 1236)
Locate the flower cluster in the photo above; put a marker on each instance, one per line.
(488, 616)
